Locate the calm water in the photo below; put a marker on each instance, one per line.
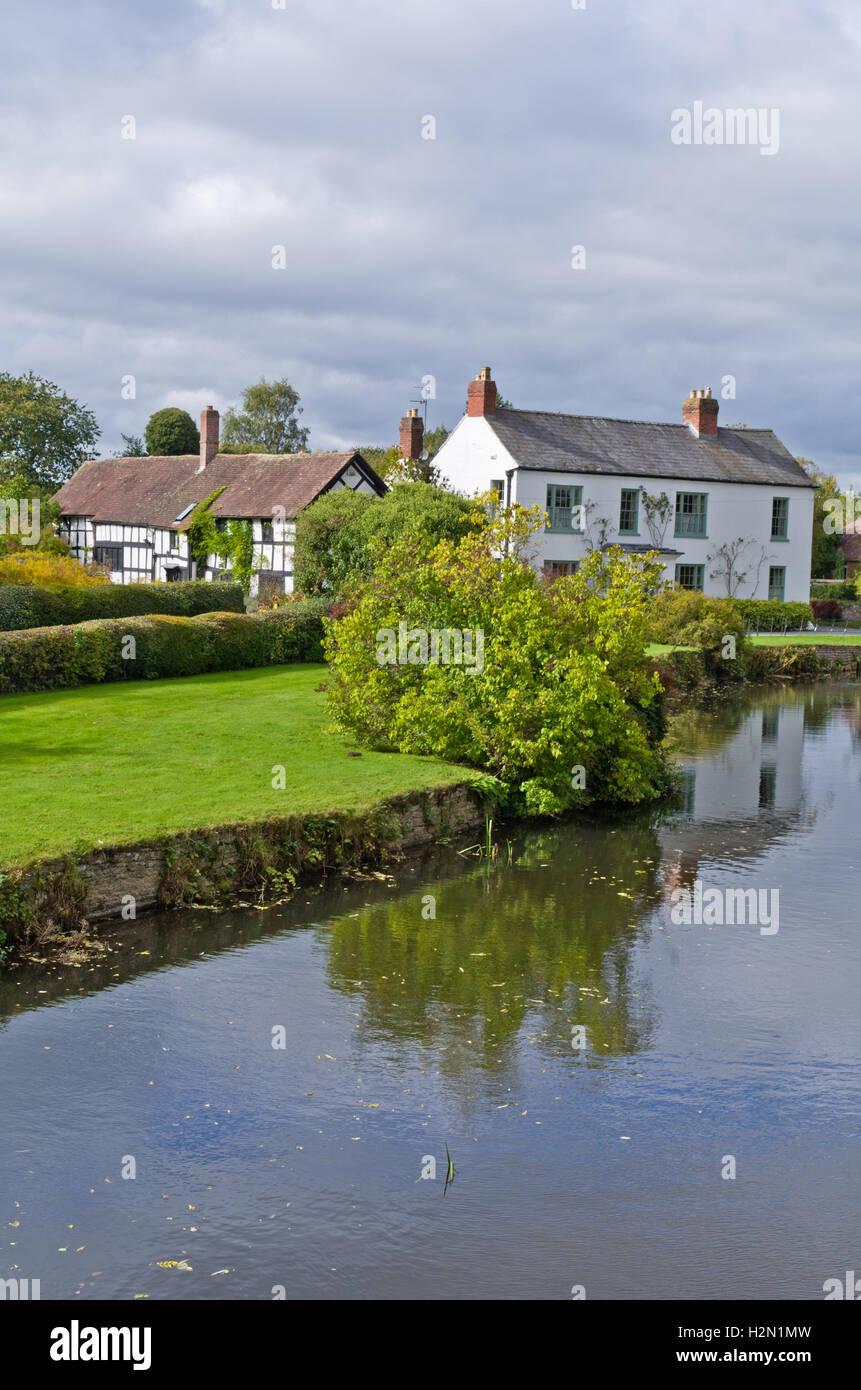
(301, 1166)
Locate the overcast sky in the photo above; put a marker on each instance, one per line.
(303, 127)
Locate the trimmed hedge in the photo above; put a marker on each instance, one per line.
(25, 606)
(774, 610)
(55, 658)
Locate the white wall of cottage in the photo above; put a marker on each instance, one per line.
(472, 458)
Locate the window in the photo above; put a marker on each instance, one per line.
(553, 568)
(175, 542)
(776, 581)
(267, 532)
(629, 511)
(110, 555)
(563, 508)
(690, 576)
(780, 518)
(497, 485)
(691, 510)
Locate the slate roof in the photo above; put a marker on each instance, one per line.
(155, 491)
(538, 439)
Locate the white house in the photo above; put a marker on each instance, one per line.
(729, 510)
(129, 513)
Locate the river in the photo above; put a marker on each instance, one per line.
(240, 1105)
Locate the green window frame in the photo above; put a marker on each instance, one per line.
(780, 518)
(691, 577)
(777, 581)
(629, 512)
(692, 514)
(562, 502)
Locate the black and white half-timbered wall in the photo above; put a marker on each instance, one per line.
(129, 513)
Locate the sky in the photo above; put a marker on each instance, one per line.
(428, 171)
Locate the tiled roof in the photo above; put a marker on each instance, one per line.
(156, 491)
(585, 444)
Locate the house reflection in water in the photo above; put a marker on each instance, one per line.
(743, 789)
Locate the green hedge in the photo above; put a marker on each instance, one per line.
(25, 606)
(54, 658)
(846, 592)
(773, 610)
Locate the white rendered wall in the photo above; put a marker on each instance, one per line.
(472, 457)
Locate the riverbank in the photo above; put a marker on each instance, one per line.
(228, 788)
(694, 675)
(52, 905)
(209, 788)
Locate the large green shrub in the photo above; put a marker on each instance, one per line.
(136, 648)
(687, 618)
(339, 535)
(23, 606)
(561, 683)
(774, 612)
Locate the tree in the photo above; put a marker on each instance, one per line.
(726, 560)
(339, 535)
(461, 652)
(329, 540)
(659, 510)
(826, 555)
(268, 422)
(171, 431)
(135, 447)
(45, 436)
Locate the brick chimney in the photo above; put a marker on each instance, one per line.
(208, 436)
(700, 412)
(481, 394)
(412, 432)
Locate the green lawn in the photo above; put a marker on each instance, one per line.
(111, 764)
(776, 639)
(807, 639)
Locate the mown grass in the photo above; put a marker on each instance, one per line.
(807, 639)
(112, 764)
(775, 639)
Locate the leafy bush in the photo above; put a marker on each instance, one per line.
(826, 608)
(54, 658)
(847, 591)
(23, 606)
(774, 611)
(339, 535)
(44, 567)
(561, 685)
(687, 618)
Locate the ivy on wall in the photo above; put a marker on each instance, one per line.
(234, 546)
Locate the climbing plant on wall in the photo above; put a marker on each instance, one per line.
(234, 546)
